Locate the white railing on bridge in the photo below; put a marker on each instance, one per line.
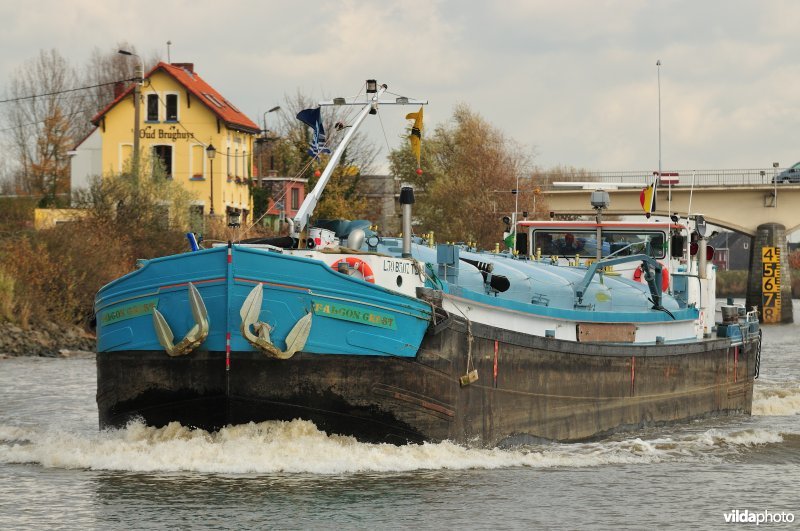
(734, 177)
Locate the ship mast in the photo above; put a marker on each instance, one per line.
(374, 92)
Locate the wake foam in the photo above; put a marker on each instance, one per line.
(776, 401)
(299, 447)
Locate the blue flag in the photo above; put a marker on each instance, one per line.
(313, 119)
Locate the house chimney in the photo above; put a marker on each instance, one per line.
(189, 67)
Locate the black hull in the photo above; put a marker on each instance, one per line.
(533, 389)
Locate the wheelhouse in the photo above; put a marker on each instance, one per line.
(580, 238)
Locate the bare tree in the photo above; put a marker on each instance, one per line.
(43, 125)
(49, 111)
(108, 73)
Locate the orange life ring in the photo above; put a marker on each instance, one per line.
(637, 276)
(359, 265)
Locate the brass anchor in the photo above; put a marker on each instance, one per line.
(194, 337)
(295, 340)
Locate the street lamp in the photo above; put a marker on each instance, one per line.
(137, 91)
(276, 108)
(211, 151)
(264, 145)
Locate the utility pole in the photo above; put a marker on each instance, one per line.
(137, 94)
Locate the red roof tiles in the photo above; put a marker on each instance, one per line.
(184, 74)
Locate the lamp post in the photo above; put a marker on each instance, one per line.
(775, 166)
(137, 91)
(264, 145)
(276, 108)
(211, 152)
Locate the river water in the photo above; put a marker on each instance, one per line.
(58, 471)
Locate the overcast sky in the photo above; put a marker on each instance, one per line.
(574, 82)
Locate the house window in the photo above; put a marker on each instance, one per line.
(172, 107)
(198, 162)
(162, 155)
(152, 107)
(295, 198)
(126, 151)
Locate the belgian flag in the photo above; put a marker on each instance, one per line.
(648, 199)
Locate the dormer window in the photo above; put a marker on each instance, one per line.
(152, 107)
(172, 107)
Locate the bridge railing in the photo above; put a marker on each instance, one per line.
(730, 177)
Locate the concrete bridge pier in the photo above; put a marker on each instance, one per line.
(769, 286)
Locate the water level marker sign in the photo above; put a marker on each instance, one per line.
(771, 284)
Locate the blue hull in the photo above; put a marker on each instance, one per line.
(350, 316)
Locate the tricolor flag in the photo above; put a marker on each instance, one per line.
(648, 198)
(313, 119)
(416, 133)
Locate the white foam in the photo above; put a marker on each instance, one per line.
(743, 438)
(13, 433)
(776, 401)
(299, 447)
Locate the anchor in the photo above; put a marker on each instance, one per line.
(194, 337)
(250, 311)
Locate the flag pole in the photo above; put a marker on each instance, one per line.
(658, 69)
(655, 185)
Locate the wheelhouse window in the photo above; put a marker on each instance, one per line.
(172, 107)
(584, 243)
(152, 107)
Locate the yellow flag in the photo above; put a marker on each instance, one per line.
(416, 133)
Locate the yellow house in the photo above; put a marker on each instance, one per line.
(201, 139)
